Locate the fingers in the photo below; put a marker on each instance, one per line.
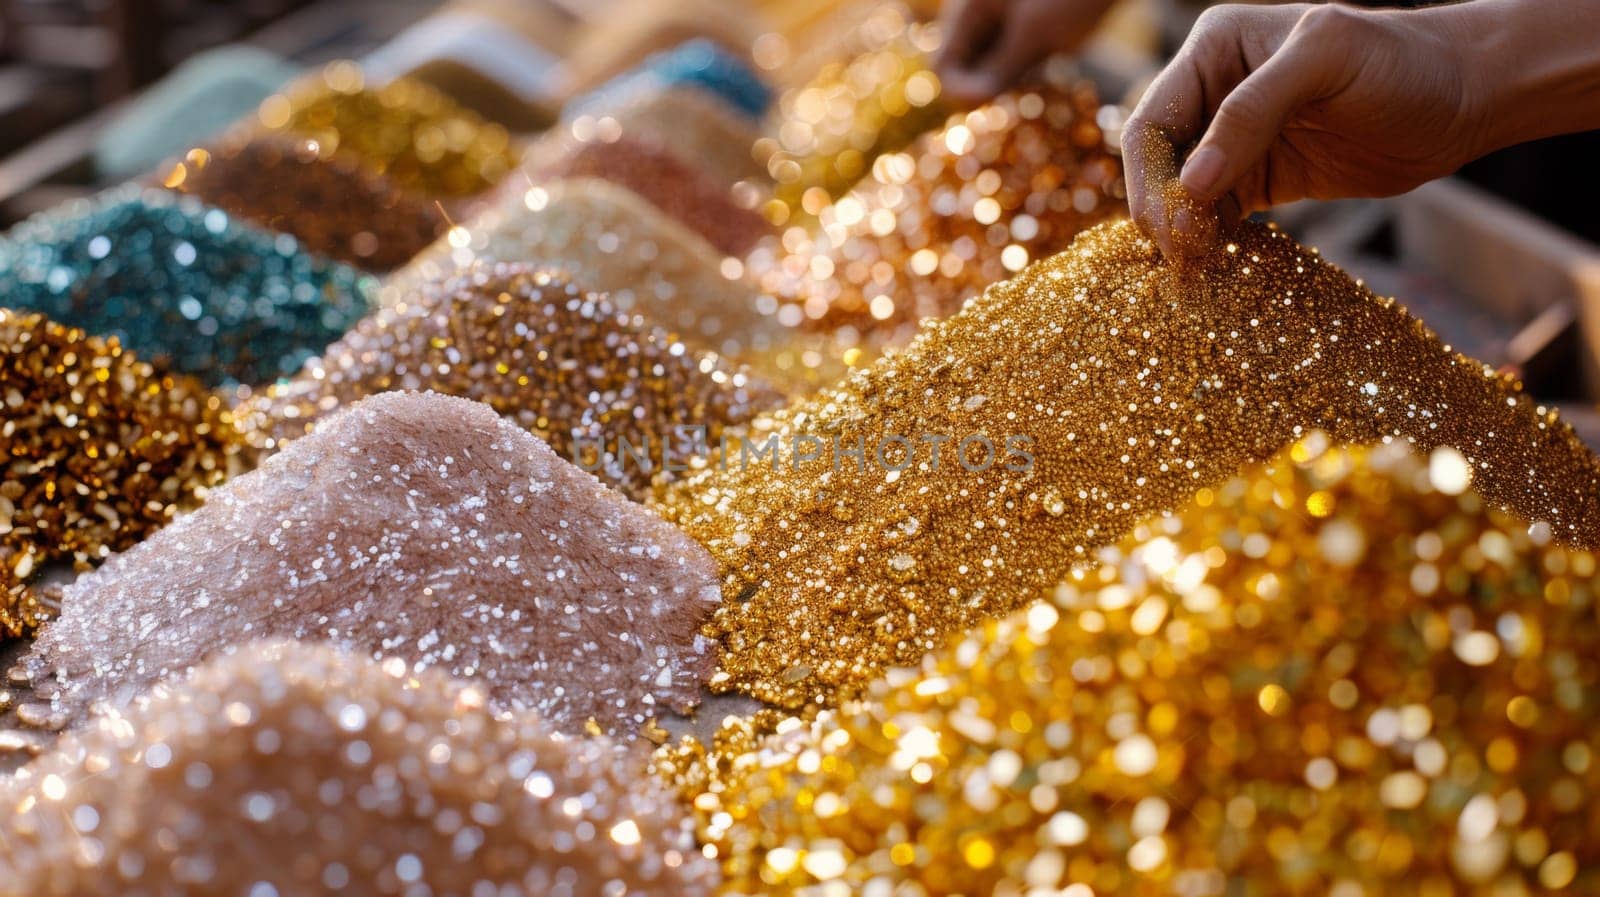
(1018, 48)
(1252, 117)
(967, 27)
(1238, 79)
(1171, 113)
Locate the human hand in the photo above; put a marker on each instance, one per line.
(989, 44)
(1301, 101)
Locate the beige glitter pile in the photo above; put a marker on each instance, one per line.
(829, 131)
(1341, 675)
(696, 125)
(969, 204)
(612, 241)
(417, 527)
(99, 448)
(290, 769)
(405, 130)
(1095, 388)
(564, 364)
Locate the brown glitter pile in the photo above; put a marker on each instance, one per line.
(831, 129)
(560, 362)
(331, 206)
(291, 769)
(99, 447)
(969, 205)
(413, 526)
(1341, 674)
(1128, 389)
(417, 137)
(691, 196)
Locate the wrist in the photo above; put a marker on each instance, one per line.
(1534, 64)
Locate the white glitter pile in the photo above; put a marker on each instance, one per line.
(419, 527)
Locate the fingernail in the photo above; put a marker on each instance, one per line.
(1201, 172)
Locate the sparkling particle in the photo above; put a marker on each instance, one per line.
(1427, 773)
(1063, 354)
(689, 195)
(611, 241)
(100, 449)
(389, 819)
(894, 264)
(562, 363)
(373, 532)
(331, 206)
(410, 133)
(225, 305)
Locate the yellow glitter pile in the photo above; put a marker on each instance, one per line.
(830, 129)
(1341, 674)
(416, 136)
(970, 204)
(563, 363)
(1094, 389)
(99, 447)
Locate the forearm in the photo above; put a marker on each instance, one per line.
(1541, 62)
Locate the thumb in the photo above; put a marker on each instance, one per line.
(1252, 117)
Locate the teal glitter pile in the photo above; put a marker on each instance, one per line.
(699, 64)
(181, 281)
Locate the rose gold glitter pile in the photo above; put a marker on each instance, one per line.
(1341, 674)
(1135, 388)
(696, 125)
(612, 241)
(331, 206)
(299, 769)
(405, 130)
(689, 195)
(968, 205)
(99, 448)
(418, 527)
(562, 363)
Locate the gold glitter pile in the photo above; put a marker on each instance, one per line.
(413, 526)
(969, 205)
(99, 447)
(830, 130)
(417, 137)
(612, 241)
(1095, 388)
(1342, 674)
(297, 769)
(328, 204)
(560, 362)
(21, 614)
